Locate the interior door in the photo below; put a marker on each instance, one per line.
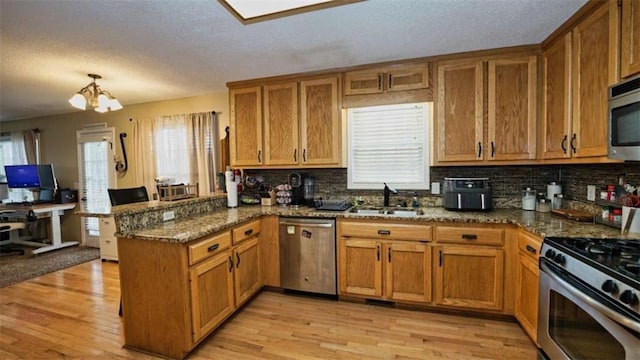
(96, 172)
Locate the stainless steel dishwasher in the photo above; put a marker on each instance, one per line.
(308, 255)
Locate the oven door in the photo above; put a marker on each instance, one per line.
(575, 322)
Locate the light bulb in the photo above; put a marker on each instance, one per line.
(78, 101)
(101, 109)
(103, 101)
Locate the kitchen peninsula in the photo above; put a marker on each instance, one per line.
(170, 270)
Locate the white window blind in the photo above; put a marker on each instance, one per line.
(172, 152)
(95, 165)
(389, 144)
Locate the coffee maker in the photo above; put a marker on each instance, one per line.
(296, 180)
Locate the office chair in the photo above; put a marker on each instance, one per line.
(128, 195)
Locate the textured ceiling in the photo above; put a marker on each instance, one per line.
(150, 50)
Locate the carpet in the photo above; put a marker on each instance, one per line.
(17, 268)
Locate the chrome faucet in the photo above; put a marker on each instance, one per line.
(388, 191)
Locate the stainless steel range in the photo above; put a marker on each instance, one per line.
(589, 305)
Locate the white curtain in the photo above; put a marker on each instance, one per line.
(178, 147)
(18, 154)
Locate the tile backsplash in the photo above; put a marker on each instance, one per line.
(507, 181)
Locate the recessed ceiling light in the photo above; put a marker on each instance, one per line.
(250, 11)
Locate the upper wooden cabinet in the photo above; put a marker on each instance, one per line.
(630, 38)
(281, 124)
(320, 140)
(459, 121)
(245, 130)
(301, 124)
(511, 110)
(392, 79)
(594, 69)
(556, 99)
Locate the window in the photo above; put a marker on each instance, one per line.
(172, 151)
(389, 144)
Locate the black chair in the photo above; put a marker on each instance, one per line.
(128, 195)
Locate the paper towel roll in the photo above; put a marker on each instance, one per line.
(232, 194)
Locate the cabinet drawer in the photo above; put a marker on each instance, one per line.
(529, 245)
(373, 230)
(209, 247)
(469, 235)
(246, 231)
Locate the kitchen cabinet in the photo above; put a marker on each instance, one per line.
(469, 268)
(245, 130)
(209, 279)
(511, 109)
(578, 68)
(374, 81)
(108, 241)
(213, 276)
(301, 124)
(630, 38)
(526, 297)
(389, 261)
(281, 124)
(556, 99)
(270, 250)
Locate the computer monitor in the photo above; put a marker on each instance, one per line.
(30, 176)
(22, 176)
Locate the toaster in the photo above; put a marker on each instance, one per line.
(467, 194)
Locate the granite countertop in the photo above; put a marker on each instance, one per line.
(108, 210)
(542, 224)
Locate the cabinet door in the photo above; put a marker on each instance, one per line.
(360, 271)
(211, 293)
(408, 272)
(320, 122)
(459, 121)
(281, 124)
(526, 306)
(469, 277)
(363, 82)
(108, 242)
(248, 272)
(245, 130)
(512, 104)
(594, 69)
(408, 78)
(630, 38)
(556, 113)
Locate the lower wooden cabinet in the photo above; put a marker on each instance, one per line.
(108, 242)
(469, 277)
(213, 276)
(397, 271)
(248, 272)
(527, 284)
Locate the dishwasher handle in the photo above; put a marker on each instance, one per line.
(311, 225)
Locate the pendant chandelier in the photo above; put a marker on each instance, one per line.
(101, 100)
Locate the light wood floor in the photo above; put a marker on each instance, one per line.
(73, 314)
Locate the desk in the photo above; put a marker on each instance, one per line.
(55, 211)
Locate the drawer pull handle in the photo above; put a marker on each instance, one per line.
(248, 232)
(213, 247)
(469, 236)
(384, 232)
(530, 249)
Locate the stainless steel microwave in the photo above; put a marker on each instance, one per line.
(624, 120)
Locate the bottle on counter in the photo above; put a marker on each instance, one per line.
(556, 202)
(528, 199)
(543, 204)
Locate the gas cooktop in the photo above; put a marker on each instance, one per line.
(620, 257)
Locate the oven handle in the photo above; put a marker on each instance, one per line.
(620, 319)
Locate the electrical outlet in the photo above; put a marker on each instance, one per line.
(591, 192)
(435, 188)
(168, 215)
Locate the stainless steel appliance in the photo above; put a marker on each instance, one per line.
(296, 181)
(467, 194)
(308, 255)
(589, 299)
(309, 191)
(624, 120)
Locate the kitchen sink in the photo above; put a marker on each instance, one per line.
(389, 211)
